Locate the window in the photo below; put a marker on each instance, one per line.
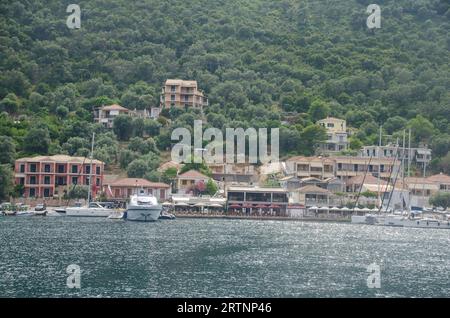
(22, 181)
(330, 125)
(86, 182)
(381, 168)
(61, 169)
(46, 192)
(236, 196)
(32, 192)
(87, 169)
(162, 194)
(186, 105)
(97, 170)
(186, 98)
(97, 182)
(183, 182)
(61, 181)
(74, 180)
(22, 168)
(172, 97)
(74, 169)
(32, 180)
(33, 167)
(47, 168)
(172, 88)
(47, 180)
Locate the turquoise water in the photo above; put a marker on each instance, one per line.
(218, 258)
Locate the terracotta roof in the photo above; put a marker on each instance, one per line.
(115, 107)
(169, 164)
(181, 82)
(414, 180)
(443, 178)
(370, 179)
(137, 182)
(311, 159)
(330, 118)
(59, 159)
(312, 189)
(192, 174)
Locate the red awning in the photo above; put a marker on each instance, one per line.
(261, 206)
(234, 206)
(247, 205)
(274, 206)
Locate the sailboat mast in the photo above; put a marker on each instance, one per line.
(379, 167)
(90, 169)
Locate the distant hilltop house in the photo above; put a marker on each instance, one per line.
(337, 136)
(183, 94)
(105, 114)
(49, 176)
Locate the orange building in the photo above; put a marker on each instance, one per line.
(180, 93)
(123, 188)
(48, 176)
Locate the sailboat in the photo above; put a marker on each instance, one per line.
(92, 208)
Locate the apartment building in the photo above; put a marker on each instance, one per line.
(341, 167)
(105, 115)
(419, 155)
(337, 137)
(184, 94)
(123, 188)
(49, 176)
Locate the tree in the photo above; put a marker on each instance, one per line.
(78, 192)
(311, 136)
(422, 129)
(143, 146)
(10, 104)
(123, 127)
(37, 141)
(441, 199)
(169, 175)
(151, 127)
(62, 111)
(318, 110)
(126, 157)
(211, 187)
(137, 168)
(6, 181)
(7, 150)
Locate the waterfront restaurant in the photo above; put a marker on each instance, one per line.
(257, 200)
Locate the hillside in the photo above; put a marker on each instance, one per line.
(255, 59)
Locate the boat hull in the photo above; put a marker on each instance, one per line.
(86, 212)
(143, 213)
(417, 223)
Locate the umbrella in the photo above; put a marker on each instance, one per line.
(335, 208)
(323, 208)
(167, 203)
(345, 209)
(181, 204)
(313, 208)
(261, 206)
(366, 210)
(216, 205)
(199, 204)
(274, 206)
(247, 205)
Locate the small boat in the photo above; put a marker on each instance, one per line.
(93, 209)
(116, 215)
(24, 213)
(143, 207)
(421, 222)
(166, 216)
(40, 210)
(9, 213)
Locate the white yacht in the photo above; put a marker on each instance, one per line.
(402, 221)
(143, 207)
(93, 209)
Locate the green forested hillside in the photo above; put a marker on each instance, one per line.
(255, 59)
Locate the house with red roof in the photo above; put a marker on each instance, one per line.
(187, 181)
(123, 188)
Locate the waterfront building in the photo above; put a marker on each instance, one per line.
(51, 176)
(312, 195)
(123, 188)
(442, 180)
(233, 173)
(421, 189)
(337, 137)
(257, 200)
(316, 167)
(182, 94)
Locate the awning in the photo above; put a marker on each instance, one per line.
(181, 204)
(261, 206)
(234, 206)
(166, 203)
(274, 206)
(216, 205)
(200, 204)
